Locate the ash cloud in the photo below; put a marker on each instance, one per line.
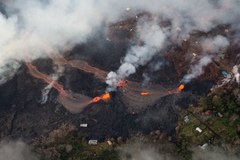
(32, 28)
(16, 150)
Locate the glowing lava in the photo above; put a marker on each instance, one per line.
(104, 97)
(74, 103)
(95, 99)
(181, 87)
(145, 93)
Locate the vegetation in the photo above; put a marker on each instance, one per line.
(217, 115)
(65, 144)
(80, 149)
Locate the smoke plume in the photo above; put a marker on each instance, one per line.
(140, 151)
(16, 150)
(211, 48)
(30, 29)
(215, 44)
(153, 38)
(197, 69)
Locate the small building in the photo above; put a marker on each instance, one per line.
(220, 114)
(84, 125)
(204, 146)
(93, 142)
(199, 130)
(109, 143)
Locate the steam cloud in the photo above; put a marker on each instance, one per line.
(214, 45)
(58, 73)
(236, 73)
(197, 69)
(32, 28)
(153, 38)
(16, 150)
(138, 151)
(210, 47)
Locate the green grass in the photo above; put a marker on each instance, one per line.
(80, 149)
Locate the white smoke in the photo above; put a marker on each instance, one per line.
(197, 69)
(215, 44)
(58, 71)
(153, 38)
(210, 47)
(16, 150)
(212, 153)
(140, 151)
(31, 27)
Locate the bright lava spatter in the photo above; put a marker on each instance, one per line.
(181, 87)
(104, 97)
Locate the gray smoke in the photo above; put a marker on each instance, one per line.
(16, 150)
(29, 29)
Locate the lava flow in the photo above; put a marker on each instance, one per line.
(82, 65)
(74, 103)
(133, 94)
(145, 93)
(104, 97)
(37, 74)
(180, 87)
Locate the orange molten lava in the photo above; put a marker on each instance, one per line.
(181, 87)
(96, 99)
(104, 97)
(145, 93)
(37, 74)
